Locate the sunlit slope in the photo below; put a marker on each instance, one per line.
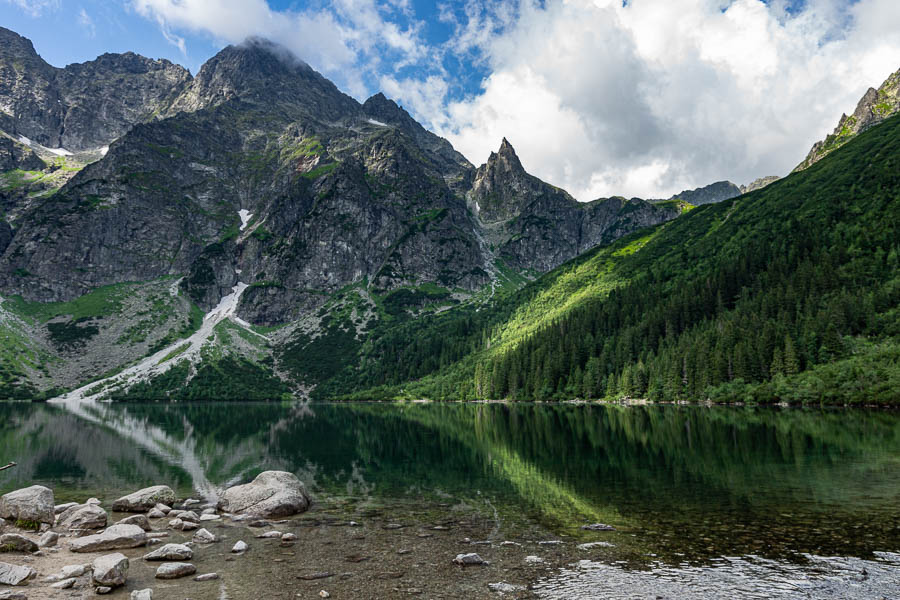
(787, 293)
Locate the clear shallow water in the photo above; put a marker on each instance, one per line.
(705, 500)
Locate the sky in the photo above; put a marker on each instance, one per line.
(600, 97)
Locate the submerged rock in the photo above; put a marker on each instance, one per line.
(203, 536)
(33, 503)
(110, 570)
(271, 494)
(117, 536)
(145, 499)
(15, 574)
(175, 570)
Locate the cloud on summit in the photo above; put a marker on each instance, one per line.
(599, 97)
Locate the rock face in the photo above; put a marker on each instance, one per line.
(34, 503)
(13, 542)
(710, 194)
(874, 107)
(115, 537)
(145, 499)
(82, 517)
(758, 184)
(110, 570)
(15, 575)
(15, 155)
(171, 552)
(271, 494)
(175, 570)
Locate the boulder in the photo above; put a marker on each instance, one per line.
(33, 503)
(140, 520)
(142, 594)
(189, 515)
(240, 546)
(82, 517)
(49, 539)
(271, 494)
(15, 574)
(163, 508)
(205, 518)
(117, 536)
(110, 570)
(13, 542)
(145, 499)
(61, 508)
(175, 570)
(155, 513)
(74, 570)
(176, 524)
(171, 552)
(189, 526)
(204, 537)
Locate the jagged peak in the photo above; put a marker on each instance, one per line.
(505, 157)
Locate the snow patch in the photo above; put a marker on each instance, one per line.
(59, 151)
(245, 216)
(379, 123)
(25, 140)
(104, 150)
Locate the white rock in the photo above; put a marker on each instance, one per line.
(155, 513)
(82, 517)
(110, 570)
(206, 577)
(271, 494)
(140, 520)
(270, 535)
(74, 570)
(164, 508)
(204, 537)
(171, 552)
(209, 511)
(175, 570)
(155, 535)
(204, 518)
(240, 546)
(115, 537)
(92, 501)
(33, 503)
(469, 559)
(64, 584)
(61, 508)
(189, 526)
(189, 515)
(289, 537)
(49, 539)
(590, 545)
(142, 594)
(534, 560)
(15, 574)
(145, 499)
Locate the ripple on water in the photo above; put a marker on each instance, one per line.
(730, 577)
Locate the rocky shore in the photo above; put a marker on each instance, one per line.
(151, 545)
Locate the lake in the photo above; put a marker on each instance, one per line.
(707, 502)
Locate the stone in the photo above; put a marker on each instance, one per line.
(469, 559)
(591, 545)
(203, 536)
(140, 520)
(110, 570)
(33, 503)
(92, 501)
(324, 594)
(206, 577)
(506, 588)
(49, 539)
(270, 535)
(61, 508)
(534, 560)
(598, 527)
(191, 502)
(115, 537)
(189, 515)
(101, 590)
(64, 584)
(171, 552)
(82, 517)
(189, 526)
(176, 524)
(239, 547)
(145, 499)
(155, 535)
(289, 537)
(15, 574)
(11, 595)
(146, 594)
(204, 518)
(155, 513)
(74, 570)
(13, 542)
(163, 508)
(174, 570)
(271, 494)
(209, 511)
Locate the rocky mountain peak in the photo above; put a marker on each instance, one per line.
(506, 159)
(709, 194)
(874, 107)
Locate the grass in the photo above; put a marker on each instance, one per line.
(101, 302)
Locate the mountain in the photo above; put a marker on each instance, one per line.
(714, 192)
(255, 192)
(758, 184)
(874, 107)
(787, 294)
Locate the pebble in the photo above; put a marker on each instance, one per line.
(324, 594)
(289, 537)
(240, 546)
(101, 590)
(469, 559)
(206, 577)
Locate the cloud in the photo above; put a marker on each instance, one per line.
(36, 8)
(347, 40)
(656, 96)
(84, 19)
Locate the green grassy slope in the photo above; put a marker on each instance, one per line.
(789, 293)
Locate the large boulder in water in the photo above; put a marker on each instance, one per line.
(117, 536)
(271, 494)
(33, 503)
(145, 499)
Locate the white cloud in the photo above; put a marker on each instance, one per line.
(84, 19)
(662, 95)
(36, 8)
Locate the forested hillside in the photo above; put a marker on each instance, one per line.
(789, 293)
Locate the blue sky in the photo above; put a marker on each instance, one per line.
(600, 97)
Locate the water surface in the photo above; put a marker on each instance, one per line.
(704, 500)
